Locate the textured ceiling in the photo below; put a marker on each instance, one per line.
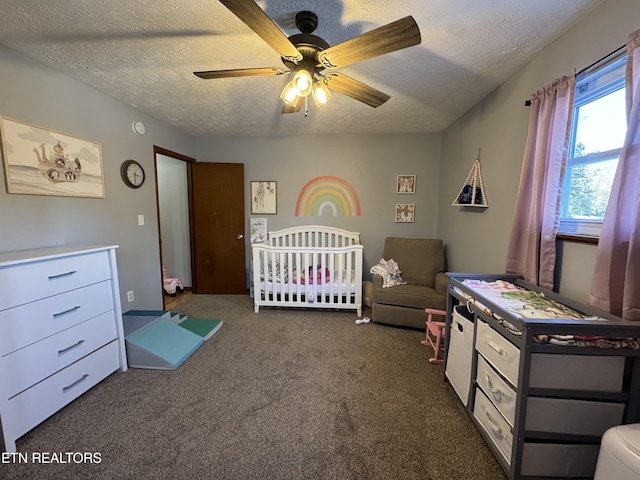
(144, 53)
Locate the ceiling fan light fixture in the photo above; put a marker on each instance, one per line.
(290, 94)
(303, 82)
(320, 93)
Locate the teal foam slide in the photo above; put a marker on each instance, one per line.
(163, 340)
(161, 345)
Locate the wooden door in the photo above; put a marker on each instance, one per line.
(218, 213)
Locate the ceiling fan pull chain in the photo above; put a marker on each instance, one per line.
(306, 107)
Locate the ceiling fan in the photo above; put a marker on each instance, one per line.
(307, 56)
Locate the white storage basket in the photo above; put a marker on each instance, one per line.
(460, 353)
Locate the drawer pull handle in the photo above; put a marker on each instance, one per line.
(60, 275)
(497, 348)
(496, 429)
(496, 392)
(78, 343)
(73, 309)
(84, 377)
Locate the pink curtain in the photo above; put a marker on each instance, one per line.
(616, 280)
(532, 247)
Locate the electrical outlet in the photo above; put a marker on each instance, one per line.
(140, 219)
(130, 296)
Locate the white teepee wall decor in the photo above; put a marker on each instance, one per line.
(472, 193)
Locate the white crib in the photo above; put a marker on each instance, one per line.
(311, 266)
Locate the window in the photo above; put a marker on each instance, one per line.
(597, 135)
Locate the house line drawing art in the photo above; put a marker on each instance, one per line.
(39, 161)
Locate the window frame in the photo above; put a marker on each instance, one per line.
(613, 65)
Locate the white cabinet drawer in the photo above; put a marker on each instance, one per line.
(503, 355)
(31, 281)
(31, 407)
(22, 368)
(24, 325)
(501, 394)
(493, 424)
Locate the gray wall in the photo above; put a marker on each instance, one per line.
(36, 94)
(370, 163)
(478, 241)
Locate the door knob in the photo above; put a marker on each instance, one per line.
(240, 236)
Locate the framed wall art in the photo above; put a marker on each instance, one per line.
(405, 213)
(39, 161)
(264, 197)
(258, 230)
(406, 184)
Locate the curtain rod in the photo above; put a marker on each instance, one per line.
(617, 51)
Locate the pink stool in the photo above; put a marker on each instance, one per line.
(434, 334)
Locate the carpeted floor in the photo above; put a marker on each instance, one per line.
(281, 394)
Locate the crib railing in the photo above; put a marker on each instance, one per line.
(307, 277)
(316, 236)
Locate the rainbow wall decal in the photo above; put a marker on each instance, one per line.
(328, 194)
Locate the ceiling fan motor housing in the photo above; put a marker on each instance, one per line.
(307, 44)
(306, 21)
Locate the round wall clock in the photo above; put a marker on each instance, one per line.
(132, 174)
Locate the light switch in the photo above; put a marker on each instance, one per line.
(140, 219)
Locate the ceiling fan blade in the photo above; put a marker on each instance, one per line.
(240, 72)
(394, 36)
(355, 89)
(254, 17)
(293, 109)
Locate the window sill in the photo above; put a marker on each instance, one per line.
(567, 237)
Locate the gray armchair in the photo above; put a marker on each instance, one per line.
(422, 263)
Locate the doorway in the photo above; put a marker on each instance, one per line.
(175, 225)
(204, 234)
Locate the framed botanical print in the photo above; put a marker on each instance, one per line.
(405, 213)
(264, 197)
(406, 184)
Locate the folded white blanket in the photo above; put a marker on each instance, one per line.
(389, 271)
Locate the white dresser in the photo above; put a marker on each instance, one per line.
(60, 331)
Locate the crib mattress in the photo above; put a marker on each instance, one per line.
(328, 288)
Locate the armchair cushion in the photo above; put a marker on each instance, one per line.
(410, 295)
(419, 259)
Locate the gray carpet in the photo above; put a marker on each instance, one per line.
(281, 394)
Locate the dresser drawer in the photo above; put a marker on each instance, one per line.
(501, 394)
(570, 416)
(31, 407)
(31, 281)
(27, 366)
(499, 352)
(560, 460)
(495, 426)
(577, 372)
(24, 325)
